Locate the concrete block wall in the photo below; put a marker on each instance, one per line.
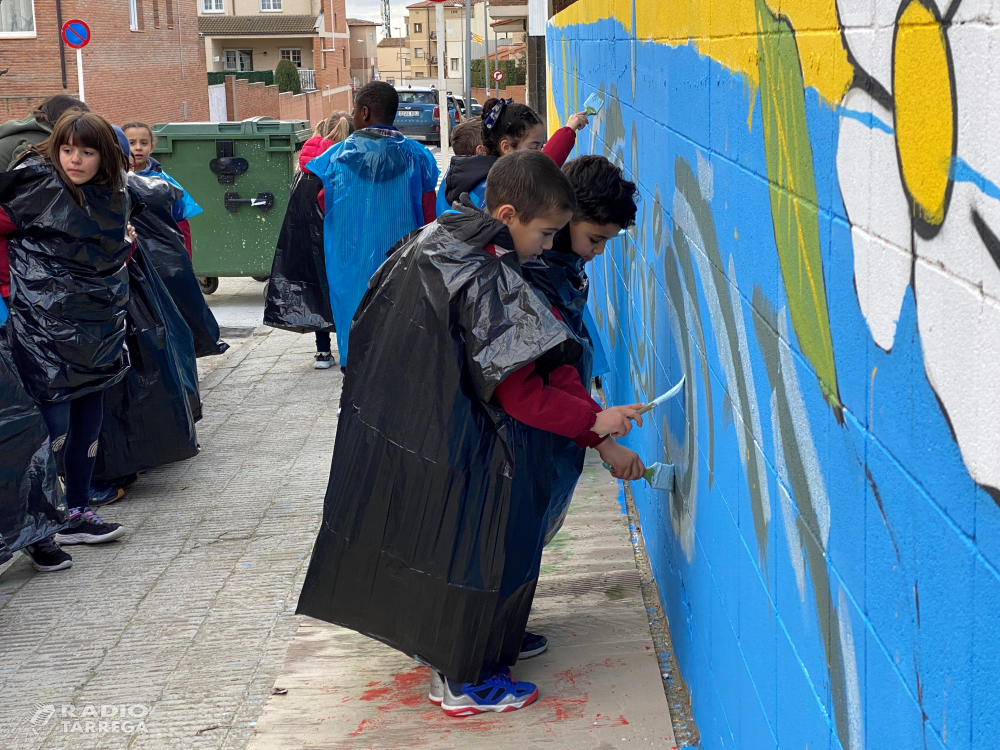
(817, 254)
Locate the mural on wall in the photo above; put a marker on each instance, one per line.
(817, 252)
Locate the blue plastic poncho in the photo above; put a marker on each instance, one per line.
(182, 209)
(374, 190)
(3, 312)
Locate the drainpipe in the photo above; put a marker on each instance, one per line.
(62, 45)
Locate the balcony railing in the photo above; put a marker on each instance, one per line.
(308, 79)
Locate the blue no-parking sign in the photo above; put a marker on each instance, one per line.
(76, 34)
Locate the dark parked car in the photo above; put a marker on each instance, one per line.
(419, 116)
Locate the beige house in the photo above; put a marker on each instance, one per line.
(252, 35)
(394, 61)
(363, 44)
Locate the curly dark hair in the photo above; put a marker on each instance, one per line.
(513, 124)
(603, 195)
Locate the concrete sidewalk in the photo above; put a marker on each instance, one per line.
(599, 682)
(187, 623)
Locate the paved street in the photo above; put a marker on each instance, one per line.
(189, 616)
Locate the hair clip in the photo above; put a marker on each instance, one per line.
(491, 119)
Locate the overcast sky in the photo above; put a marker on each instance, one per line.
(372, 11)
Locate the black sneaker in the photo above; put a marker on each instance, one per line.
(532, 644)
(47, 556)
(324, 361)
(91, 530)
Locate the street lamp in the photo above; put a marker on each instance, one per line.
(400, 53)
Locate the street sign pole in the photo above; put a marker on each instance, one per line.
(76, 34)
(468, 58)
(79, 72)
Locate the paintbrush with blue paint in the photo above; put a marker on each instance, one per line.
(660, 476)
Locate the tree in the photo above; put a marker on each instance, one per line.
(286, 76)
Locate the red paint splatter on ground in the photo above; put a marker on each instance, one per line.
(602, 721)
(365, 724)
(564, 708)
(373, 683)
(372, 694)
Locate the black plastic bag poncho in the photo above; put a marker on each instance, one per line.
(148, 418)
(561, 278)
(161, 238)
(32, 505)
(68, 283)
(298, 293)
(430, 538)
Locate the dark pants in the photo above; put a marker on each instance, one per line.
(74, 427)
(322, 342)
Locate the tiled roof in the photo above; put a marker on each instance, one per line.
(447, 4)
(256, 25)
(361, 22)
(396, 41)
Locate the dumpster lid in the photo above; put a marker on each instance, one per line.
(253, 127)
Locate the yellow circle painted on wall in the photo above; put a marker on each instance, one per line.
(924, 97)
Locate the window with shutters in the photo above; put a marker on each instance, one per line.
(170, 13)
(156, 14)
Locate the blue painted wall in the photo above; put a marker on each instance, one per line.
(829, 559)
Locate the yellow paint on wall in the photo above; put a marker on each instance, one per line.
(921, 85)
(726, 31)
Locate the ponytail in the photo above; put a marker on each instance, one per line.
(511, 124)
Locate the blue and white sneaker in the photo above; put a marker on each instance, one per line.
(499, 694)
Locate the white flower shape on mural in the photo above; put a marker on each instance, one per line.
(918, 169)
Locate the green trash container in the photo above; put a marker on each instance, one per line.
(241, 174)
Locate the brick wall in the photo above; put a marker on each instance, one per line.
(333, 76)
(816, 253)
(146, 74)
(261, 100)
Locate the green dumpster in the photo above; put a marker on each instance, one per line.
(241, 174)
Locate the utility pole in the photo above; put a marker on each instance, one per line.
(486, 52)
(468, 58)
(443, 84)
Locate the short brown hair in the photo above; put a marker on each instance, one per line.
(137, 124)
(530, 182)
(92, 131)
(466, 137)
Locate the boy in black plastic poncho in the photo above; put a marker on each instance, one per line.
(431, 535)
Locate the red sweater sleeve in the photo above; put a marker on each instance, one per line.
(6, 227)
(430, 206)
(527, 399)
(185, 228)
(566, 378)
(322, 200)
(560, 144)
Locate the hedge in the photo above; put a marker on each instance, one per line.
(257, 76)
(513, 73)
